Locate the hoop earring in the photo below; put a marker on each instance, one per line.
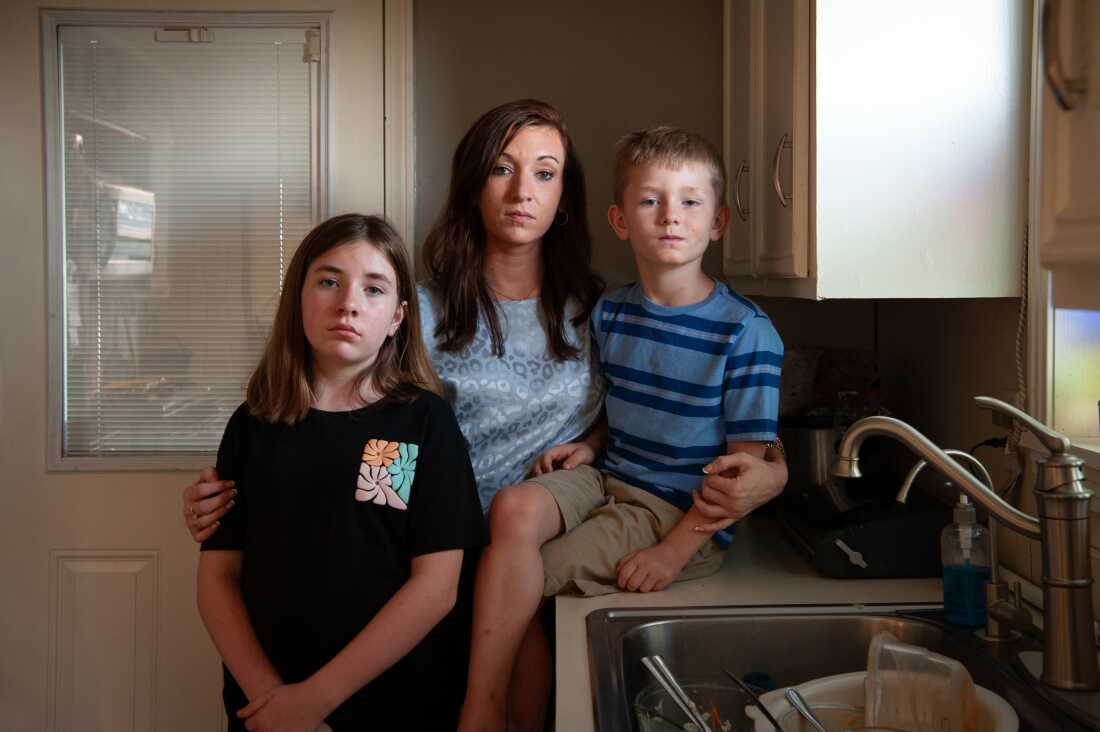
(562, 218)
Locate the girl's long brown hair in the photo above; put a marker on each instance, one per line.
(281, 387)
(454, 251)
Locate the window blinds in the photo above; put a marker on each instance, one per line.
(189, 179)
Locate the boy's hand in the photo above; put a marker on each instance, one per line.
(287, 708)
(564, 457)
(736, 485)
(651, 569)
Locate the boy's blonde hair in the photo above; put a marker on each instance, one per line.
(669, 146)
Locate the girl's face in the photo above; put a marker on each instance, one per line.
(350, 306)
(520, 198)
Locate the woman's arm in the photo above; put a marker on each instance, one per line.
(740, 482)
(204, 503)
(416, 608)
(221, 607)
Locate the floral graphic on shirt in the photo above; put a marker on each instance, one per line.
(403, 470)
(387, 472)
(380, 452)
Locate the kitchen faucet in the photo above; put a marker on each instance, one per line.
(1062, 528)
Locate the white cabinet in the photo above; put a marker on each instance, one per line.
(1070, 221)
(906, 170)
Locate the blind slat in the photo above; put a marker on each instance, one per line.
(188, 182)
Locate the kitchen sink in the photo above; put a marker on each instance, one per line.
(793, 644)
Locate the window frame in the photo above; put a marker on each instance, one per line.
(51, 21)
(1040, 278)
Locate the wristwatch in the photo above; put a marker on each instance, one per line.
(778, 445)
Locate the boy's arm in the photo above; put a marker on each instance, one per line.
(572, 454)
(416, 608)
(655, 567)
(222, 609)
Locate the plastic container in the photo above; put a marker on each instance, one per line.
(911, 688)
(964, 552)
(847, 691)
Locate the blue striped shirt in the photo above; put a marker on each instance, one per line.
(682, 382)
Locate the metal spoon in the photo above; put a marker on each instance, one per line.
(803, 708)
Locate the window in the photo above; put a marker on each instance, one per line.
(186, 167)
(1065, 211)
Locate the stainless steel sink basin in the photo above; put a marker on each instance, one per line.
(791, 644)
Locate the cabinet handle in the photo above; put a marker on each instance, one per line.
(1065, 90)
(741, 210)
(784, 143)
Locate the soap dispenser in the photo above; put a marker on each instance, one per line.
(964, 552)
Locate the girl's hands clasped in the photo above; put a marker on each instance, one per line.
(287, 708)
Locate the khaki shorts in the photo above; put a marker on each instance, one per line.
(605, 519)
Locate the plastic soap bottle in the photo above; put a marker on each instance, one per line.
(964, 551)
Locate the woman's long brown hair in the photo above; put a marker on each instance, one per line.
(281, 387)
(454, 251)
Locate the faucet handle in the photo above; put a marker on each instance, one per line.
(1058, 444)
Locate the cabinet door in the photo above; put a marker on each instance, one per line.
(780, 163)
(1071, 145)
(740, 96)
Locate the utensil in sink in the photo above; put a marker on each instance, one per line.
(656, 666)
(803, 708)
(755, 699)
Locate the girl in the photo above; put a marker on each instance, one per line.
(325, 589)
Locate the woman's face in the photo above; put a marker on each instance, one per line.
(520, 198)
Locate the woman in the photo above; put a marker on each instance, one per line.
(508, 290)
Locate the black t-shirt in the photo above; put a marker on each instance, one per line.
(329, 515)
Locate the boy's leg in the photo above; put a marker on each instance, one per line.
(585, 560)
(509, 585)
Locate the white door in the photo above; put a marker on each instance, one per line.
(99, 627)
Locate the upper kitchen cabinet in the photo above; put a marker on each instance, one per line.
(877, 150)
(1071, 146)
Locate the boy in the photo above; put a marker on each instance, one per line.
(693, 373)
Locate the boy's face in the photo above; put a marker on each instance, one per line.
(669, 215)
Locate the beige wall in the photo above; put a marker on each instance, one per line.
(595, 61)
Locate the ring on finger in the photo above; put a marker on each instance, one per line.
(194, 513)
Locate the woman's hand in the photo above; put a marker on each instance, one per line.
(564, 457)
(288, 708)
(204, 503)
(736, 485)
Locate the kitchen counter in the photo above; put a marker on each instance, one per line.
(761, 568)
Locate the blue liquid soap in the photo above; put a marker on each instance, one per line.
(964, 594)
(964, 551)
